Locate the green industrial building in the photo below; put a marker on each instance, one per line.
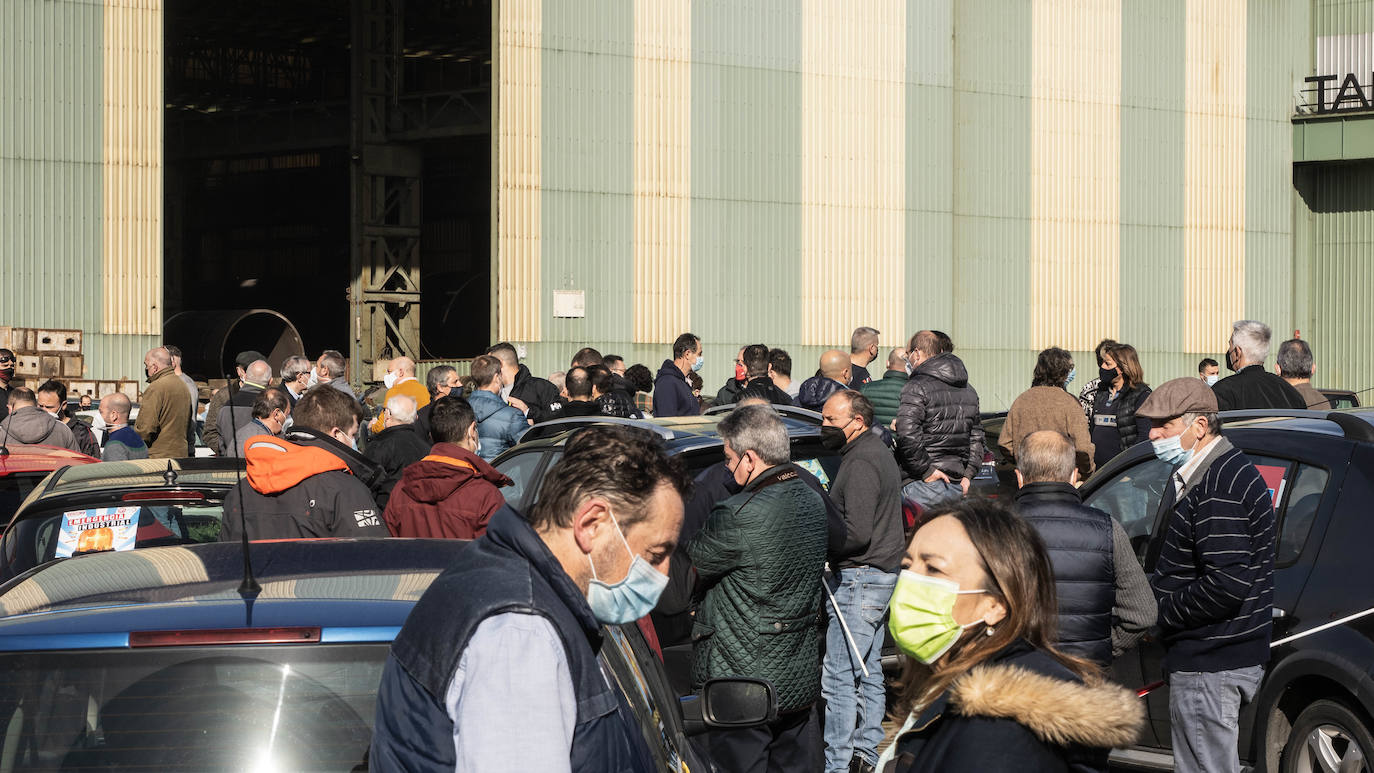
(426, 178)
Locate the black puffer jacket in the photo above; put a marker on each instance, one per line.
(937, 421)
(1128, 402)
(538, 394)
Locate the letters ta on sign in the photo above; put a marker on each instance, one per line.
(1349, 97)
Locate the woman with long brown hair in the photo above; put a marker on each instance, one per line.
(1122, 390)
(982, 684)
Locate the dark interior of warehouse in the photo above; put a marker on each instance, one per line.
(318, 148)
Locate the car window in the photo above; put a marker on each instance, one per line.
(1133, 497)
(45, 534)
(520, 468)
(1303, 498)
(818, 461)
(190, 708)
(636, 671)
(13, 490)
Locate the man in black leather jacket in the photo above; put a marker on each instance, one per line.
(939, 437)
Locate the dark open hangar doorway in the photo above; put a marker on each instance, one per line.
(322, 151)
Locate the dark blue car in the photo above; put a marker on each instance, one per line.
(151, 659)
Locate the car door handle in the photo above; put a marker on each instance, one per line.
(1277, 613)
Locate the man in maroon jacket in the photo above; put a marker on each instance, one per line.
(452, 492)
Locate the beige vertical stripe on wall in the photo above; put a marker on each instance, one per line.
(1214, 172)
(853, 215)
(662, 170)
(519, 170)
(131, 237)
(1075, 172)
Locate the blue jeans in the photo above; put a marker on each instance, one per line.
(1204, 708)
(928, 495)
(854, 703)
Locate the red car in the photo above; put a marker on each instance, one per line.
(24, 467)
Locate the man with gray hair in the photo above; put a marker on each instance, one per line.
(295, 377)
(441, 381)
(1252, 387)
(863, 349)
(239, 410)
(1295, 366)
(331, 369)
(1105, 601)
(760, 557)
(398, 445)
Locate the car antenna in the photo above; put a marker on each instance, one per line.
(170, 476)
(249, 588)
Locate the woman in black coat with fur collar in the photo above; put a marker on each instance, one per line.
(982, 683)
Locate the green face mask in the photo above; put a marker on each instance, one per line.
(921, 616)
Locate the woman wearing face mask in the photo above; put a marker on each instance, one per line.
(983, 685)
(1048, 405)
(1121, 390)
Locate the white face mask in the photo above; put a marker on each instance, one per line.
(505, 391)
(314, 379)
(1213, 379)
(389, 379)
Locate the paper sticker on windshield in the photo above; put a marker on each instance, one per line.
(97, 529)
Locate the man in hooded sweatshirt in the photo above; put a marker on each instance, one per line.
(939, 437)
(311, 483)
(452, 492)
(30, 425)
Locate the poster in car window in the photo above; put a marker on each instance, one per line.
(97, 529)
(1273, 478)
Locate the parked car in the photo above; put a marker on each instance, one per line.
(1341, 398)
(22, 467)
(152, 660)
(133, 504)
(1313, 708)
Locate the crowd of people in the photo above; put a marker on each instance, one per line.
(1007, 615)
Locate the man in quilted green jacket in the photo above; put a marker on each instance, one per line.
(759, 558)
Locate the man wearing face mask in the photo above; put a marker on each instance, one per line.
(868, 491)
(30, 425)
(498, 425)
(441, 381)
(757, 382)
(310, 483)
(886, 393)
(863, 350)
(400, 380)
(672, 394)
(1214, 578)
(7, 363)
(52, 398)
(163, 408)
(1209, 371)
(452, 492)
(760, 557)
(496, 666)
(1251, 386)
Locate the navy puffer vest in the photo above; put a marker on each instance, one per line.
(1079, 541)
(509, 569)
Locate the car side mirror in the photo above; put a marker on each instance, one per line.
(730, 703)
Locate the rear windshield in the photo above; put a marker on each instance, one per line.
(241, 708)
(13, 490)
(46, 534)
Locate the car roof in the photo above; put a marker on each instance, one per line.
(27, 458)
(679, 433)
(1352, 423)
(375, 570)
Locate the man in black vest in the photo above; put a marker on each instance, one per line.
(1105, 602)
(496, 667)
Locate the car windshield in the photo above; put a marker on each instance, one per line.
(258, 708)
(173, 518)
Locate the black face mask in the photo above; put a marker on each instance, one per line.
(1230, 361)
(833, 438)
(1106, 376)
(7, 373)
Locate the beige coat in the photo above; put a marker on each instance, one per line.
(1047, 407)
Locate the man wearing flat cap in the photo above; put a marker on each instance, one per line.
(211, 434)
(1214, 579)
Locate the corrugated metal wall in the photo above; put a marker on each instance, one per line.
(1018, 174)
(80, 248)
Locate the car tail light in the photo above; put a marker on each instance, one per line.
(163, 496)
(224, 636)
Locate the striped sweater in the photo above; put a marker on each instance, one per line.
(1215, 576)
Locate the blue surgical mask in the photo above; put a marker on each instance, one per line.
(1170, 451)
(701, 360)
(631, 598)
(1072, 372)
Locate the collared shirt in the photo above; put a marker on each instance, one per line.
(511, 699)
(1194, 466)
